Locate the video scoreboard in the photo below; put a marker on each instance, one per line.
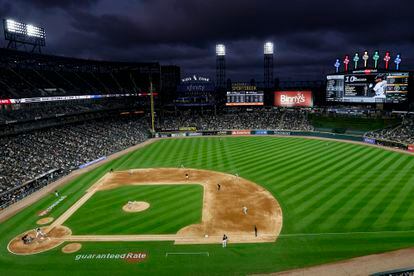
(368, 86)
(244, 95)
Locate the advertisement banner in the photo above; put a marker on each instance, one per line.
(261, 132)
(240, 132)
(194, 134)
(5, 101)
(287, 133)
(177, 134)
(301, 98)
(369, 140)
(410, 148)
(187, 129)
(92, 162)
(208, 133)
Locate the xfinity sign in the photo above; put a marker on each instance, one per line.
(301, 98)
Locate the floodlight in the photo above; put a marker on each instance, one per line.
(268, 48)
(220, 50)
(19, 33)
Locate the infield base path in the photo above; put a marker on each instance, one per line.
(222, 209)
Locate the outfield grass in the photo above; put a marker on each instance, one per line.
(339, 200)
(172, 207)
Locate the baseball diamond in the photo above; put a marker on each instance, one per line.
(329, 201)
(215, 137)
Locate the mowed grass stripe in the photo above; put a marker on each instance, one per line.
(345, 195)
(331, 203)
(262, 162)
(365, 215)
(289, 163)
(366, 197)
(405, 208)
(115, 223)
(105, 200)
(392, 198)
(170, 212)
(327, 182)
(308, 170)
(170, 200)
(399, 191)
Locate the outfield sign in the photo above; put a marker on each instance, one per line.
(369, 140)
(92, 162)
(194, 134)
(240, 132)
(131, 257)
(260, 132)
(51, 207)
(410, 148)
(284, 133)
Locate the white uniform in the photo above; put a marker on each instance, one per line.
(39, 233)
(379, 89)
(245, 210)
(224, 242)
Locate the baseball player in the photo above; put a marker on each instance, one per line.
(56, 193)
(40, 233)
(245, 210)
(255, 231)
(218, 187)
(224, 241)
(187, 176)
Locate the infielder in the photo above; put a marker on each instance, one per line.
(40, 233)
(224, 242)
(245, 210)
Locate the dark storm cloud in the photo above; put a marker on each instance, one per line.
(308, 35)
(63, 4)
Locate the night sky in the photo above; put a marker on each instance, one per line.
(308, 35)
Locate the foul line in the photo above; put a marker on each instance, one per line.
(347, 233)
(187, 253)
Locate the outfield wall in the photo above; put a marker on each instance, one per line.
(315, 134)
(262, 132)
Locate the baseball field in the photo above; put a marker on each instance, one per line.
(312, 201)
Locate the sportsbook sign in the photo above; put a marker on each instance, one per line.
(302, 98)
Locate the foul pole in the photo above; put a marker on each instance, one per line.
(152, 109)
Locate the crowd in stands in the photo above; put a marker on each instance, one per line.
(277, 119)
(403, 133)
(44, 110)
(26, 156)
(27, 75)
(47, 154)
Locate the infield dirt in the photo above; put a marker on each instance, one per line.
(222, 211)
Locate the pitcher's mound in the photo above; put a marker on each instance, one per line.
(71, 247)
(44, 220)
(135, 206)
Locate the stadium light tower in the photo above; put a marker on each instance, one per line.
(220, 65)
(21, 34)
(268, 64)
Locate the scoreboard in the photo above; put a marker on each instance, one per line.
(243, 94)
(238, 98)
(368, 86)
